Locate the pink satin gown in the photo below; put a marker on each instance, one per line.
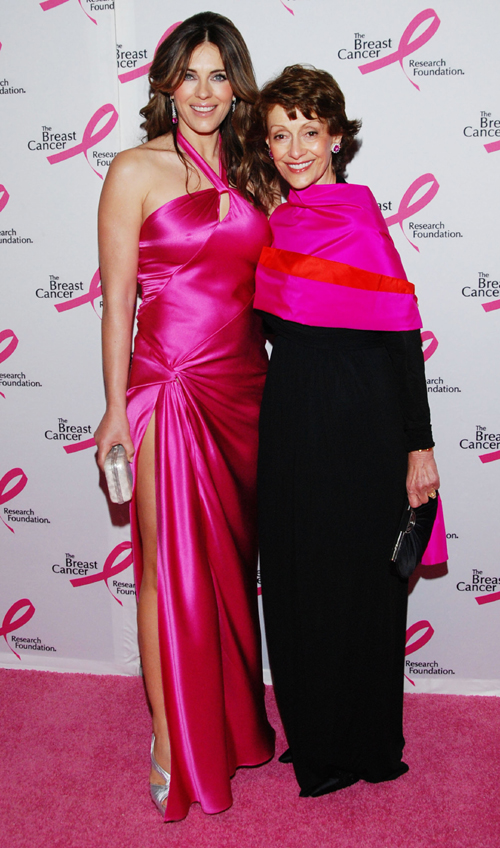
(199, 362)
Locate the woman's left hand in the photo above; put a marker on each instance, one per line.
(422, 479)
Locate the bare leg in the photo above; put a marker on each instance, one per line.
(147, 611)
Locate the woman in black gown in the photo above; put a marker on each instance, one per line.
(344, 434)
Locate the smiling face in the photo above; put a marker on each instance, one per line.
(204, 97)
(301, 148)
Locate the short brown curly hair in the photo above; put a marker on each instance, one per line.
(316, 94)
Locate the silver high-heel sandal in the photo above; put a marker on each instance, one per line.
(159, 791)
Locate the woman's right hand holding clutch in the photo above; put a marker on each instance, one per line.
(113, 430)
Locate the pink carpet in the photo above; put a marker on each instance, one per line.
(74, 768)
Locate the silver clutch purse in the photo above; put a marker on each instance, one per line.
(118, 475)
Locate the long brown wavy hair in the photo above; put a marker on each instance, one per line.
(316, 94)
(168, 70)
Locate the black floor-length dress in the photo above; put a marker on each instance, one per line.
(341, 410)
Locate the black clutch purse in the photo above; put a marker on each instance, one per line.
(414, 532)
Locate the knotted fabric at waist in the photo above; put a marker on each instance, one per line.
(149, 365)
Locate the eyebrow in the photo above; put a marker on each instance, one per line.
(283, 127)
(216, 71)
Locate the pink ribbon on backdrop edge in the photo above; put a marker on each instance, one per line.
(10, 348)
(109, 569)
(406, 46)
(406, 209)
(4, 194)
(89, 140)
(6, 494)
(135, 73)
(10, 624)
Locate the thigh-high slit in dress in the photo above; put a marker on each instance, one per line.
(199, 363)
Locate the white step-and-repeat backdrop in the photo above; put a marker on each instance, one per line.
(73, 75)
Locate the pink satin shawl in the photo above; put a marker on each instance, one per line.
(341, 225)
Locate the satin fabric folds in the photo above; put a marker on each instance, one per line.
(333, 263)
(199, 363)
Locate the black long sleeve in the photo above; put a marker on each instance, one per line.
(405, 349)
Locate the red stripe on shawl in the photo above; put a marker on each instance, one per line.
(329, 271)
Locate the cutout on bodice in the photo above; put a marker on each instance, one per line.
(224, 204)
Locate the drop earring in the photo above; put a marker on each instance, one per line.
(174, 111)
(233, 104)
(270, 153)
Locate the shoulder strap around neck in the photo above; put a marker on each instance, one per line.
(203, 166)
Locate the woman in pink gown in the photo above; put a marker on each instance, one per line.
(194, 391)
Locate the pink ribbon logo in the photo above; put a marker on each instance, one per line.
(492, 147)
(489, 457)
(487, 599)
(407, 46)
(95, 291)
(406, 208)
(110, 569)
(411, 647)
(10, 346)
(79, 446)
(135, 73)
(90, 139)
(4, 197)
(490, 307)
(428, 336)
(6, 493)
(52, 4)
(11, 623)
(428, 633)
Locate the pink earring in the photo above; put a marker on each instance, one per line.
(174, 111)
(270, 153)
(335, 148)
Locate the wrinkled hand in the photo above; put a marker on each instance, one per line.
(113, 430)
(422, 478)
